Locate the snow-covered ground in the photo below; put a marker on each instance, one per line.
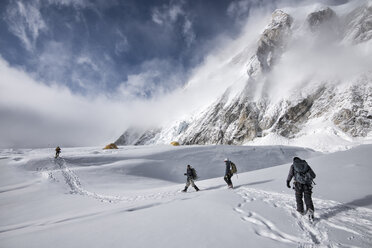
(131, 197)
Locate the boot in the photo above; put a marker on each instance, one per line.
(196, 188)
(310, 212)
(184, 189)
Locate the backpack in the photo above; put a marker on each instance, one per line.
(302, 172)
(194, 175)
(233, 168)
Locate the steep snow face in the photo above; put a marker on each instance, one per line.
(308, 74)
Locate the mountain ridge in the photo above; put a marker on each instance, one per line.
(342, 103)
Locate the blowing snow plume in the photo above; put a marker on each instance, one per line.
(304, 79)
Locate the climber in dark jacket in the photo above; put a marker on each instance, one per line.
(303, 179)
(228, 173)
(190, 178)
(58, 151)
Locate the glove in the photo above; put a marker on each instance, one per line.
(288, 185)
(184, 174)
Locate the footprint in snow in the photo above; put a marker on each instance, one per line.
(333, 216)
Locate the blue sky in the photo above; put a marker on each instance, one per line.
(93, 46)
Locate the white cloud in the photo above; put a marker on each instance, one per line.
(307, 62)
(168, 15)
(238, 8)
(188, 32)
(96, 6)
(25, 21)
(34, 114)
(174, 11)
(122, 44)
(157, 77)
(76, 3)
(86, 70)
(85, 60)
(54, 61)
(157, 17)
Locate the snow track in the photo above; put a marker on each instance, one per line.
(73, 181)
(331, 217)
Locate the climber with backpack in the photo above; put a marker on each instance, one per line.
(191, 176)
(303, 180)
(229, 172)
(58, 151)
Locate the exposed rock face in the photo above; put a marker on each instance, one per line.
(359, 24)
(231, 125)
(319, 18)
(271, 43)
(242, 117)
(325, 24)
(357, 119)
(242, 121)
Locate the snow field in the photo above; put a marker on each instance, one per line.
(95, 198)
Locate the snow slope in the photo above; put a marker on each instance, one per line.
(131, 198)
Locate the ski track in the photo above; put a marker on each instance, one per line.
(73, 181)
(357, 222)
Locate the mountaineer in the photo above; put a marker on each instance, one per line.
(191, 176)
(303, 179)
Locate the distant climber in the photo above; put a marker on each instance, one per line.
(58, 151)
(191, 176)
(303, 179)
(229, 172)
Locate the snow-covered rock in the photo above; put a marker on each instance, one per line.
(359, 24)
(271, 43)
(302, 71)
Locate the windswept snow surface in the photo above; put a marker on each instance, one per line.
(131, 197)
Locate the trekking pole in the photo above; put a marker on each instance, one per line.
(236, 175)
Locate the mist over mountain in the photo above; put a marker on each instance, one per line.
(301, 76)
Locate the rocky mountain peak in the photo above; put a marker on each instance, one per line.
(271, 43)
(320, 17)
(279, 18)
